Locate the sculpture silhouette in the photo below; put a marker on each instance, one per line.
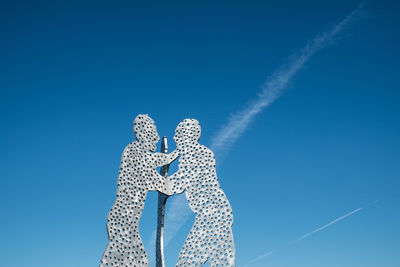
(137, 176)
(211, 235)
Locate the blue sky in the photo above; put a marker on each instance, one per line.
(74, 75)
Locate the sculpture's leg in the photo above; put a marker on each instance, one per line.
(194, 250)
(225, 254)
(117, 218)
(231, 249)
(186, 257)
(125, 247)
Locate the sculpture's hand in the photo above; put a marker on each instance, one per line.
(161, 159)
(173, 156)
(176, 183)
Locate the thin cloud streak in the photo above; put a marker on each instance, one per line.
(309, 234)
(259, 258)
(271, 90)
(273, 87)
(329, 224)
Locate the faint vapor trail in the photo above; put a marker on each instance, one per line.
(273, 87)
(329, 224)
(309, 234)
(271, 90)
(259, 258)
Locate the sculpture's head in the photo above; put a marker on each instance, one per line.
(187, 132)
(146, 132)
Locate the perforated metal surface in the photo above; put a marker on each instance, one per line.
(211, 235)
(136, 177)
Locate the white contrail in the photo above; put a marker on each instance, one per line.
(270, 91)
(329, 224)
(273, 87)
(307, 235)
(259, 258)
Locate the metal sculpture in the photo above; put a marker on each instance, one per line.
(137, 176)
(210, 238)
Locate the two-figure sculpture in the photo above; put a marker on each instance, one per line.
(210, 238)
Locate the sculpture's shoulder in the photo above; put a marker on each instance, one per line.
(131, 146)
(151, 157)
(203, 149)
(132, 151)
(206, 153)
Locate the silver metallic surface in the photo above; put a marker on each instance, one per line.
(210, 238)
(136, 177)
(162, 200)
(211, 235)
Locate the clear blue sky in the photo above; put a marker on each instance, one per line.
(74, 74)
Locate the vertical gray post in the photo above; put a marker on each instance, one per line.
(162, 199)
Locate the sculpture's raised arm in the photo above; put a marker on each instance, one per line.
(177, 182)
(156, 181)
(161, 159)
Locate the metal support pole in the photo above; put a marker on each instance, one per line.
(162, 200)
